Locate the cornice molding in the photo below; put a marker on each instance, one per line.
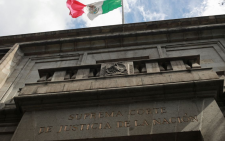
(155, 25)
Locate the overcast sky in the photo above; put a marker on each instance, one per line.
(31, 16)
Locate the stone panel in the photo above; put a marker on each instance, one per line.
(209, 56)
(146, 118)
(178, 65)
(28, 90)
(55, 88)
(8, 63)
(82, 73)
(129, 82)
(59, 76)
(213, 124)
(77, 86)
(152, 67)
(104, 83)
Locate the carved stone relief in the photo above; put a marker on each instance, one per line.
(119, 68)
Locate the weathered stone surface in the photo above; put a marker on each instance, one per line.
(43, 78)
(77, 86)
(178, 65)
(123, 81)
(55, 88)
(82, 73)
(130, 67)
(212, 126)
(146, 118)
(104, 83)
(118, 68)
(202, 36)
(128, 82)
(59, 76)
(29, 90)
(152, 67)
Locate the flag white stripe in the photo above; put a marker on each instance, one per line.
(92, 15)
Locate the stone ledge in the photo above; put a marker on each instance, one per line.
(184, 84)
(124, 34)
(119, 81)
(185, 90)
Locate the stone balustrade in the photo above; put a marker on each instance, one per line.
(120, 68)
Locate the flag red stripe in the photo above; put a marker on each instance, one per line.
(75, 7)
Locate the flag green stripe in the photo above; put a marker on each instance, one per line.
(109, 5)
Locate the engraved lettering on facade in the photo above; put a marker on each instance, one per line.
(71, 117)
(156, 121)
(100, 125)
(92, 115)
(88, 125)
(156, 110)
(165, 121)
(60, 129)
(192, 119)
(94, 126)
(148, 111)
(86, 115)
(119, 114)
(119, 124)
(41, 130)
(82, 127)
(74, 128)
(179, 120)
(163, 110)
(78, 117)
(127, 123)
(107, 126)
(172, 120)
(185, 118)
(108, 115)
(136, 123)
(101, 115)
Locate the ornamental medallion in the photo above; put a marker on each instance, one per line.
(116, 68)
(93, 9)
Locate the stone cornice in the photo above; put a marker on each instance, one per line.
(126, 34)
(124, 39)
(156, 25)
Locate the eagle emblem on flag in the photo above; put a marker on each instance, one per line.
(93, 9)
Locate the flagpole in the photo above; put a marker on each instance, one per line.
(123, 13)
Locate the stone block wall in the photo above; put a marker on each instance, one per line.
(20, 68)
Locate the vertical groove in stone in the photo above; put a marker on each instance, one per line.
(202, 114)
(160, 51)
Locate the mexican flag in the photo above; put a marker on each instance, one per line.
(92, 10)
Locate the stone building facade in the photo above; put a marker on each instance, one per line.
(155, 81)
